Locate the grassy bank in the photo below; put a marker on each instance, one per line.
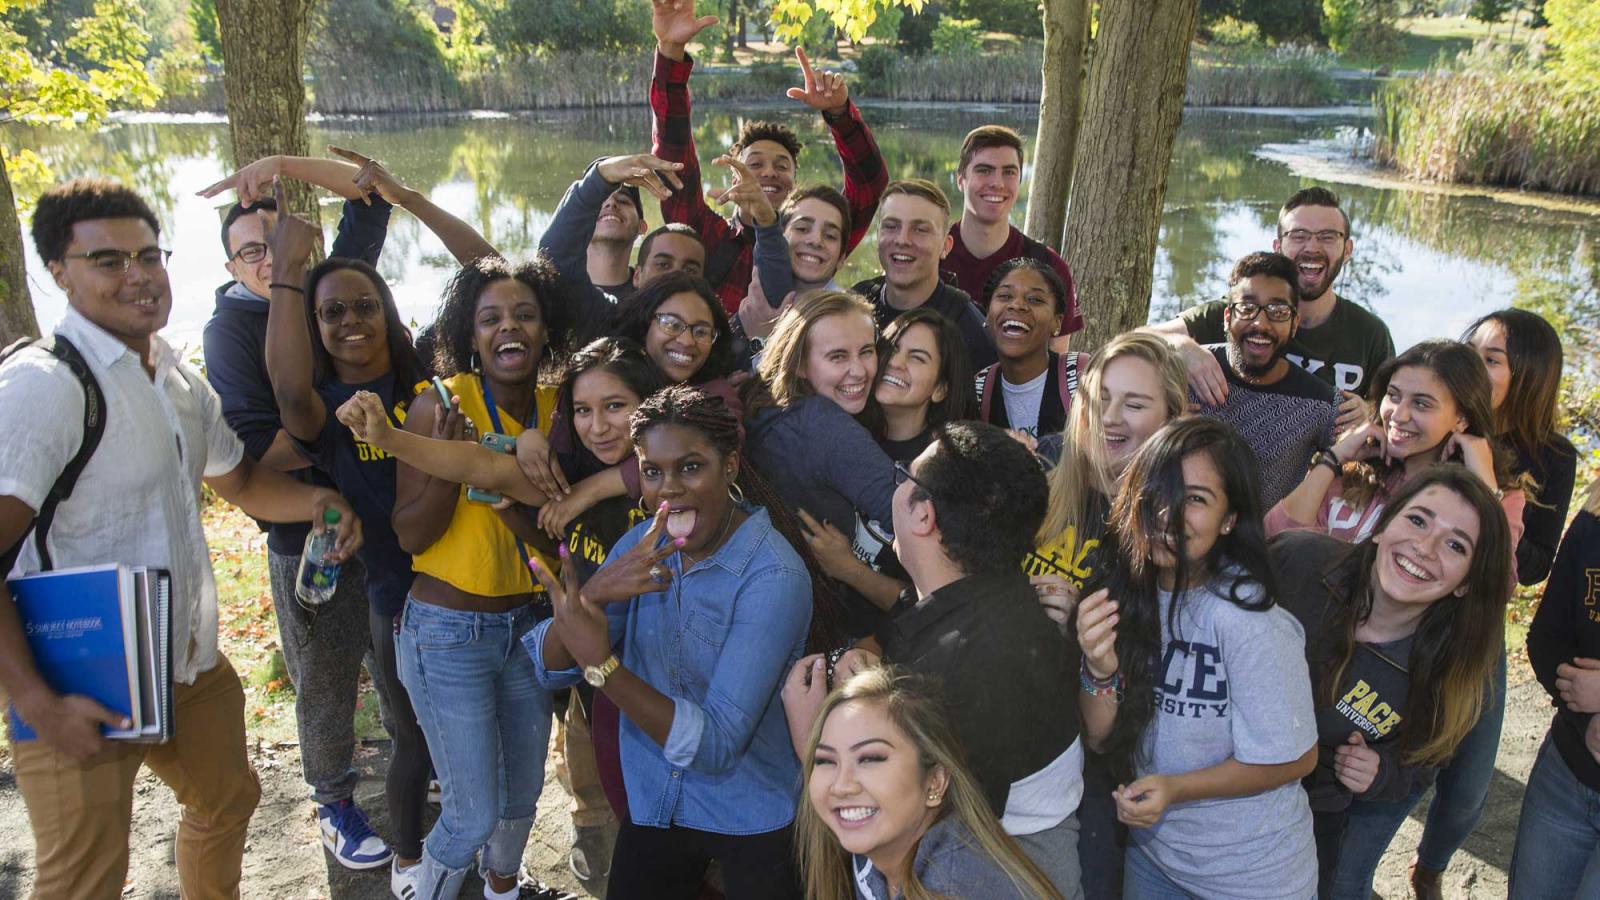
(1509, 127)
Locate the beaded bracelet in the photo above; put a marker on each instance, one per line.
(288, 287)
(1095, 687)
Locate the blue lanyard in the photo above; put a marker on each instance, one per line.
(494, 419)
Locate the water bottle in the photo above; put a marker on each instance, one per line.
(319, 577)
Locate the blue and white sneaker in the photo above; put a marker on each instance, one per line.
(348, 836)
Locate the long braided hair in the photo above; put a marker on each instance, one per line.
(710, 415)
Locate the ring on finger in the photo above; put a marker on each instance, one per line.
(658, 574)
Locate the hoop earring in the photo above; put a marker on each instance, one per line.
(642, 507)
(473, 364)
(735, 493)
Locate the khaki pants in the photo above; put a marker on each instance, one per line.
(81, 816)
(575, 768)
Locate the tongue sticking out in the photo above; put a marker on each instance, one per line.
(681, 522)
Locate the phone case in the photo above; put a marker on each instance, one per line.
(501, 443)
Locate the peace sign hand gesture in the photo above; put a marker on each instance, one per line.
(579, 624)
(638, 571)
(745, 193)
(825, 92)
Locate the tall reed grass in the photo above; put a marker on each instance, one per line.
(1513, 127)
(1258, 76)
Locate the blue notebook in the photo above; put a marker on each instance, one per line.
(82, 627)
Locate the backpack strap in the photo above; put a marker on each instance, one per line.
(1067, 379)
(986, 391)
(94, 428)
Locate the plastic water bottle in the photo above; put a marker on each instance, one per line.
(319, 577)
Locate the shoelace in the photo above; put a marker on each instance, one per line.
(352, 823)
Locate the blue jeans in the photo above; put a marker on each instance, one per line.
(1460, 793)
(488, 725)
(1142, 879)
(1557, 841)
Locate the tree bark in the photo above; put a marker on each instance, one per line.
(263, 60)
(1066, 43)
(1130, 120)
(16, 304)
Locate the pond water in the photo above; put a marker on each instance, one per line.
(1428, 262)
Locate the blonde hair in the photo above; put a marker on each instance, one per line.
(913, 705)
(1084, 468)
(786, 351)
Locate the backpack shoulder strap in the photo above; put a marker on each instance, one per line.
(94, 428)
(1067, 382)
(986, 391)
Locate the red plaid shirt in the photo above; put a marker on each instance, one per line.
(672, 139)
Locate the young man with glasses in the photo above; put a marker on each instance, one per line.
(1282, 411)
(324, 662)
(135, 502)
(1337, 341)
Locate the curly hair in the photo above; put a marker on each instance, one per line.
(633, 317)
(761, 130)
(82, 200)
(708, 414)
(454, 331)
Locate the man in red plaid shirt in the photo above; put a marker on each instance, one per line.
(768, 149)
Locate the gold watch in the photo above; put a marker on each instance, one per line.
(597, 675)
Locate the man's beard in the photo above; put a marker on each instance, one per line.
(1250, 372)
(1330, 271)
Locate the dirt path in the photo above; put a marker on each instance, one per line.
(285, 860)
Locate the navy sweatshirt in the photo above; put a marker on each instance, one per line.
(1567, 625)
(235, 345)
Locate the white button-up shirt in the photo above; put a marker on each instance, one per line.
(137, 502)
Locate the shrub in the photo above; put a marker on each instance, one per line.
(953, 37)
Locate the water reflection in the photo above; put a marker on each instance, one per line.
(1427, 262)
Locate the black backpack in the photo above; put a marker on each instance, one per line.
(94, 427)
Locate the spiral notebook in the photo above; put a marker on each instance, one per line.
(104, 632)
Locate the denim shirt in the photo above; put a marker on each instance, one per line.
(718, 641)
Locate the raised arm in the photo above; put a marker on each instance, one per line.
(458, 462)
(424, 504)
(671, 129)
(289, 353)
(462, 240)
(865, 174)
(771, 258)
(566, 240)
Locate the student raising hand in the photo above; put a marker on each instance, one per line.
(675, 25)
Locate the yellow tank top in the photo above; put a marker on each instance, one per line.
(477, 553)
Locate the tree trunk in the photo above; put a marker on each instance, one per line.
(732, 23)
(263, 56)
(1066, 42)
(16, 305)
(740, 39)
(1130, 119)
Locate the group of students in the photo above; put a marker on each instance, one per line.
(880, 593)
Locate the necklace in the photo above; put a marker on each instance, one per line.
(715, 543)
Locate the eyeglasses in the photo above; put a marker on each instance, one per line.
(1276, 312)
(902, 474)
(674, 326)
(116, 262)
(333, 311)
(1327, 238)
(252, 253)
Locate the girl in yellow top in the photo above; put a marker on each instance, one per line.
(1131, 388)
(459, 650)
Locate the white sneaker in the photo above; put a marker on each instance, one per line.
(403, 882)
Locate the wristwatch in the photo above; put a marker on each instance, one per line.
(597, 675)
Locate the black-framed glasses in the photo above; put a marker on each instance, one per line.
(1327, 237)
(333, 311)
(117, 262)
(902, 474)
(675, 325)
(252, 253)
(1276, 312)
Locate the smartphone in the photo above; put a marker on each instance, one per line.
(444, 392)
(499, 443)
